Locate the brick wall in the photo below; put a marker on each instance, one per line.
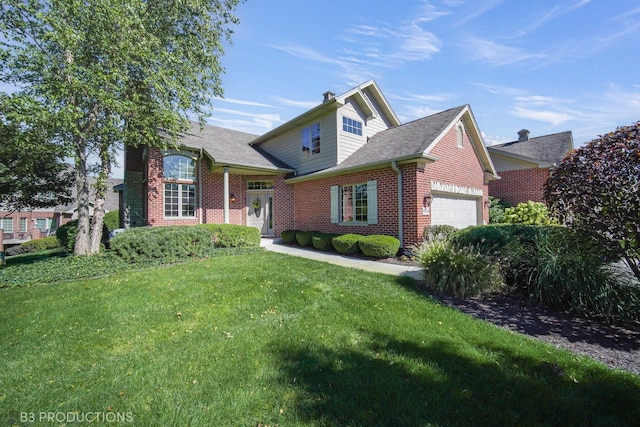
(520, 186)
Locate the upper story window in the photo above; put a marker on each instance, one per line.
(7, 225)
(311, 140)
(460, 135)
(352, 126)
(179, 167)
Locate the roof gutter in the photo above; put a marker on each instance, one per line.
(394, 166)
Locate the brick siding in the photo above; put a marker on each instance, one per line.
(520, 186)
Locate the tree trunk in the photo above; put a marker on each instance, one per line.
(101, 189)
(82, 185)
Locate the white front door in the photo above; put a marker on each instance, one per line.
(260, 212)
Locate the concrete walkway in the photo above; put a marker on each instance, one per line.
(275, 245)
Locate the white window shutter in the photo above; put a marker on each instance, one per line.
(335, 204)
(372, 202)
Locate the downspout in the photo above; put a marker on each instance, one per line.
(395, 167)
(225, 201)
(200, 188)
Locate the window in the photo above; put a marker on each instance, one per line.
(352, 126)
(23, 224)
(355, 203)
(259, 185)
(45, 224)
(7, 225)
(178, 167)
(460, 135)
(179, 198)
(311, 140)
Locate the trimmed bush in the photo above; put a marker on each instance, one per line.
(322, 241)
(289, 236)
(438, 231)
(459, 272)
(379, 246)
(304, 237)
(347, 243)
(171, 242)
(232, 235)
(112, 220)
(66, 235)
(39, 245)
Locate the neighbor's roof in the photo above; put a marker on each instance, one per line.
(231, 147)
(548, 148)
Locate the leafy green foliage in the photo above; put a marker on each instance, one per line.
(39, 245)
(347, 243)
(233, 236)
(459, 272)
(496, 210)
(112, 220)
(171, 242)
(379, 246)
(529, 213)
(304, 237)
(98, 74)
(289, 236)
(322, 241)
(66, 235)
(439, 231)
(596, 189)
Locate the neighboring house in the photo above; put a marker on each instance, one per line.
(21, 226)
(523, 165)
(345, 166)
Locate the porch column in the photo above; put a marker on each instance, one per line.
(225, 180)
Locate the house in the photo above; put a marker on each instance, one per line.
(346, 166)
(27, 224)
(523, 165)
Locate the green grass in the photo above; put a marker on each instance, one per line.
(242, 339)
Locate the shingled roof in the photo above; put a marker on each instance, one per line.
(231, 147)
(548, 148)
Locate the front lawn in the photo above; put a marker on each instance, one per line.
(279, 340)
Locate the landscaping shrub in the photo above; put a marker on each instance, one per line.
(347, 243)
(66, 235)
(233, 236)
(304, 237)
(289, 236)
(569, 273)
(438, 231)
(112, 220)
(322, 241)
(530, 213)
(39, 245)
(15, 250)
(496, 210)
(162, 242)
(379, 246)
(459, 272)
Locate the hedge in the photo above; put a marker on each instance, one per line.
(289, 236)
(162, 242)
(233, 236)
(304, 237)
(379, 246)
(322, 241)
(347, 243)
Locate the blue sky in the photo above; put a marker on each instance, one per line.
(547, 66)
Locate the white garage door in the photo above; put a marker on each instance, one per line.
(454, 210)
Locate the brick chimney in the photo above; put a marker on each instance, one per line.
(523, 135)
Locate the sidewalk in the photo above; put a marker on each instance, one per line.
(274, 245)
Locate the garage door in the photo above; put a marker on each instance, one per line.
(454, 210)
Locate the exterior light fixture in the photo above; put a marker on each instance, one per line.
(427, 199)
(232, 198)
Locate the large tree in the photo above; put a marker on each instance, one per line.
(112, 72)
(596, 190)
(33, 173)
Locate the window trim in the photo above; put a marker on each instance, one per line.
(372, 204)
(7, 220)
(346, 126)
(314, 143)
(180, 203)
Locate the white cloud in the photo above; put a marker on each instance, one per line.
(553, 117)
(489, 51)
(553, 13)
(298, 104)
(242, 102)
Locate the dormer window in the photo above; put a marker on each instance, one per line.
(311, 140)
(352, 126)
